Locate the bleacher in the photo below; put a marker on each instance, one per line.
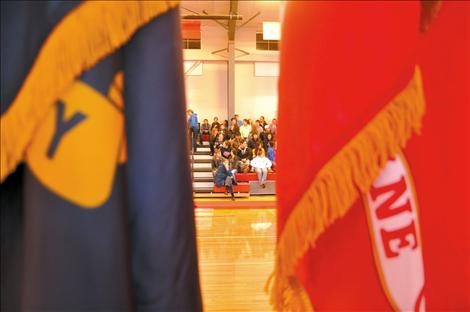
(247, 177)
(203, 180)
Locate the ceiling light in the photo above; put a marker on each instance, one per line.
(271, 31)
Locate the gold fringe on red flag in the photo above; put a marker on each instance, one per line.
(338, 185)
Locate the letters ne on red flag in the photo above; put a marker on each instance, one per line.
(374, 214)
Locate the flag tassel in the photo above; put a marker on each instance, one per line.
(86, 35)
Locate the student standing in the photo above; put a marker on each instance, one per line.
(193, 128)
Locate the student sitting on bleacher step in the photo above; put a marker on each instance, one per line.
(215, 124)
(217, 160)
(268, 138)
(225, 177)
(205, 128)
(254, 140)
(218, 141)
(245, 129)
(244, 155)
(225, 149)
(261, 164)
(259, 147)
(272, 153)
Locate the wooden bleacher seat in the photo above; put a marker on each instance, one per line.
(240, 188)
(246, 177)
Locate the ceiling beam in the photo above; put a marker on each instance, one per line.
(230, 17)
(249, 20)
(224, 25)
(232, 23)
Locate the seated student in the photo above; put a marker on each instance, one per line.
(239, 121)
(215, 123)
(258, 148)
(245, 129)
(261, 164)
(273, 126)
(219, 140)
(205, 127)
(223, 130)
(217, 160)
(263, 123)
(214, 133)
(223, 177)
(272, 153)
(244, 156)
(253, 142)
(225, 149)
(268, 138)
(236, 141)
(233, 130)
(243, 151)
(258, 127)
(213, 139)
(233, 164)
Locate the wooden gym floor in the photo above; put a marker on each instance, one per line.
(251, 202)
(236, 256)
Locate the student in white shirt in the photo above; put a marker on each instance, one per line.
(261, 164)
(245, 129)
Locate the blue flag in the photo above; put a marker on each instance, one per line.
(101, 212)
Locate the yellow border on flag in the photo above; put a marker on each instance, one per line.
(339, 183)
(86, 35)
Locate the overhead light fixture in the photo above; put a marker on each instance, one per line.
(271, 31)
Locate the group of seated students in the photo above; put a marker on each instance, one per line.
(242, 146)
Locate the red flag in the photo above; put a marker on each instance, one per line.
(373, 216)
